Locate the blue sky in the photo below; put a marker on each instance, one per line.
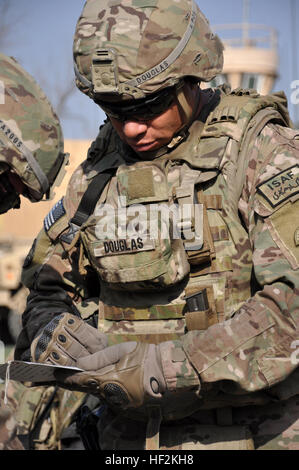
(42, 35)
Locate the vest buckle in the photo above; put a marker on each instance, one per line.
(197, 302)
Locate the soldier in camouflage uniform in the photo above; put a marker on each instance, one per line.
(32, 162)
(201, 319)
(31, 142)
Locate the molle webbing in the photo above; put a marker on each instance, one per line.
(204, 263)
(203, 259)
(238, 118)
(242, 105)
(154, 312)
(200, 315)
(207, 252)
(212, 201)
(194, 313)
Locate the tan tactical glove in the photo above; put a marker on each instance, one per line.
(128, 374)
(65, 339)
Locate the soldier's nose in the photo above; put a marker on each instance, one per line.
(134, 129)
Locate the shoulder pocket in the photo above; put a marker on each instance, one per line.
(284, 227)
(283, 224)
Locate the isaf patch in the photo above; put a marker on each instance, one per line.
(55, 214)
(281, 186)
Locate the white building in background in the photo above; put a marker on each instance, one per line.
(250, 57)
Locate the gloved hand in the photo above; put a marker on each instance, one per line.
(65, 339)
(128, 374)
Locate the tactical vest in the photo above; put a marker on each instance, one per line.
(157, 288)
(153, 288)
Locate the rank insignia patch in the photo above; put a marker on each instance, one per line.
(55, 214)
(281, 186)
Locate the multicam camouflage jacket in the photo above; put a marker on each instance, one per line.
(231, 300)
(8, 429)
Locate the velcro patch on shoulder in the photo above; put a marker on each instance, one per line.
(55, 214)
(281, 187)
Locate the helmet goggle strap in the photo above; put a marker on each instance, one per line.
(189, 110)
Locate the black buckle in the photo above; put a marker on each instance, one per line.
(69, 236)
(86, 424)
(197, 302)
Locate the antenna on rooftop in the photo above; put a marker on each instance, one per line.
(250, 56)
(245, 22)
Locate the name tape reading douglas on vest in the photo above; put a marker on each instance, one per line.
(114, 247)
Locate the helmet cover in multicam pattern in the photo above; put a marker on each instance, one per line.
(31, 140)
(132, 48)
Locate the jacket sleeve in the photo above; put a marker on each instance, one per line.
(259, 346)
(52, 272)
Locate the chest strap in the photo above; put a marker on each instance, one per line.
(87, 204)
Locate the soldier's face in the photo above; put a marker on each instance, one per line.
(149, 135)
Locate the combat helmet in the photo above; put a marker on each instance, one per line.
(31, 140)
(130, 49)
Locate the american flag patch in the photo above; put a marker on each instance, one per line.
(55, 213)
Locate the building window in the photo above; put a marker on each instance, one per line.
(252, 80)
(218, 80)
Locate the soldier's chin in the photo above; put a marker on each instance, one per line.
(150, 152)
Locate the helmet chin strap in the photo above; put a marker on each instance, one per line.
(188, 111)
